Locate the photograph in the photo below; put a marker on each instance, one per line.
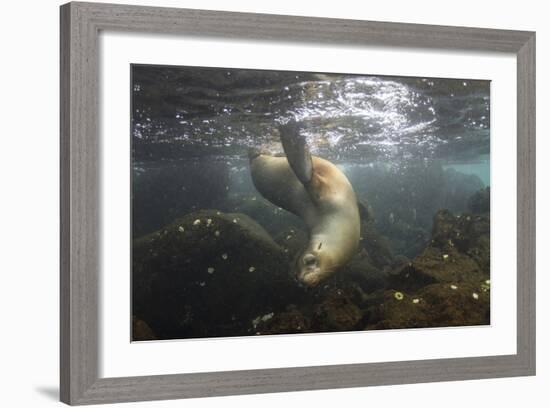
(268, 202)
(275, 204)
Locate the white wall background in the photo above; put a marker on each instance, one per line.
(29, 202)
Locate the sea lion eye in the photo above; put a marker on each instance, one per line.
(309, 259)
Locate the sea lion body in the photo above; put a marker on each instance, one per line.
(325, 200)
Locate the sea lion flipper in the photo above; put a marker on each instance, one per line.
(297, 152)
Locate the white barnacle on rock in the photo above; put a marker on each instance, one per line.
(416, 301)
(197, 222)
(218, 213)
(181, 229)
(398, 296)
(268, 316)
(217, 233)
(485, 286)
(202, 284)
(210, 270)
(251, 269)
(288, 237)
(475, 296)
(257, 320)
(234, 220)
(224, 256)
(445, 256)
(208, 222)
(454, 287)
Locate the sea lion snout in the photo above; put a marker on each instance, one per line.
(309, 270)
(310, 279)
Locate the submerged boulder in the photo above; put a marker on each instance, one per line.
(437, 266)
(469, 234)
(375, 244)
(337, 312)
(446, 285)
(332, 307)
(437, 305)
(459, 252)
(480, 201)
(141, 330)
(290, 321)
(362, 271)
(209, 274)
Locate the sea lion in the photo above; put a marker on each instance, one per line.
(319, 193)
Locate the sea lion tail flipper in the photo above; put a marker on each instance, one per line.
(296, 150)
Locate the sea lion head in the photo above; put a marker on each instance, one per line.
(312, 267)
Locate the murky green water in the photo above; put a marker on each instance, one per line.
(409, 146)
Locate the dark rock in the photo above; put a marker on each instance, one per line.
(469, 234)
(337, 312)
(480, 201)
(437, 305)
(362, 271)
(287, 322)
(459, 252)
(209, 274)
(335, 306)
(435, 265)
(376, 245)
(141, 330)
(399, 261)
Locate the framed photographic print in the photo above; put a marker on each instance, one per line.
(294, 198)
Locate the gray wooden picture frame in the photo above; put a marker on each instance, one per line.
(80, 234)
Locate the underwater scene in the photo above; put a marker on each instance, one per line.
(276, 202)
